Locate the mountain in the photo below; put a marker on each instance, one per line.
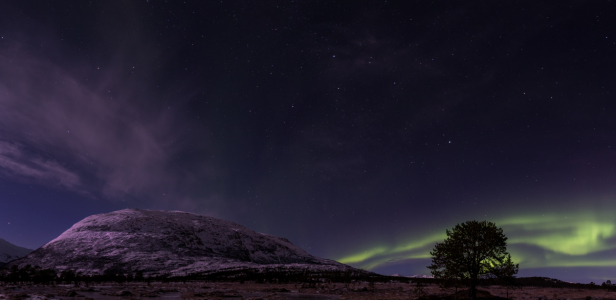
(421, 276)
(174, 243)
(10, 252)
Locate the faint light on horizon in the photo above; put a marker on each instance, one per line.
(578, 241)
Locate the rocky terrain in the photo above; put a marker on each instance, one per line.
(174, 243)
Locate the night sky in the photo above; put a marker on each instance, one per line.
(359, 130)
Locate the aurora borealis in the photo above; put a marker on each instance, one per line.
(358, 132)
(535, 241)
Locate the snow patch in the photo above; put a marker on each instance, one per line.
(9, 252)
(176, 243)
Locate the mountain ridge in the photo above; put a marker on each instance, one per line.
(164, 242)
(9, 252)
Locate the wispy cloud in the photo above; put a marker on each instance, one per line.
(102, 137)
(16, 163)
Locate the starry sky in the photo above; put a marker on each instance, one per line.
(360, 131)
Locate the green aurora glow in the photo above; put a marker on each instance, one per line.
(536, 241)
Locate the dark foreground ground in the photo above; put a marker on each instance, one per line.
(254, 291)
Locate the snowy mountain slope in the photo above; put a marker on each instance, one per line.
(158, 242)
(10, 252)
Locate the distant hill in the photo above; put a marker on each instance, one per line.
(173, 243)
(9, 252)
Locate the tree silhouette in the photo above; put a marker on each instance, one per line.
(506, 272)
(472, 250)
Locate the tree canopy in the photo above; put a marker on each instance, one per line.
(473, 250)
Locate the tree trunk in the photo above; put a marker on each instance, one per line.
(456, 287)
(473, 290)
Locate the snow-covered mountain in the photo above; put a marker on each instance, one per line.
(421, 276)
(177, 243)
(10, 252)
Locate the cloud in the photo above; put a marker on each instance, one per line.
(16, 163)
(117, 138)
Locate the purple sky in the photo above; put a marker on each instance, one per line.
(358, 132)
